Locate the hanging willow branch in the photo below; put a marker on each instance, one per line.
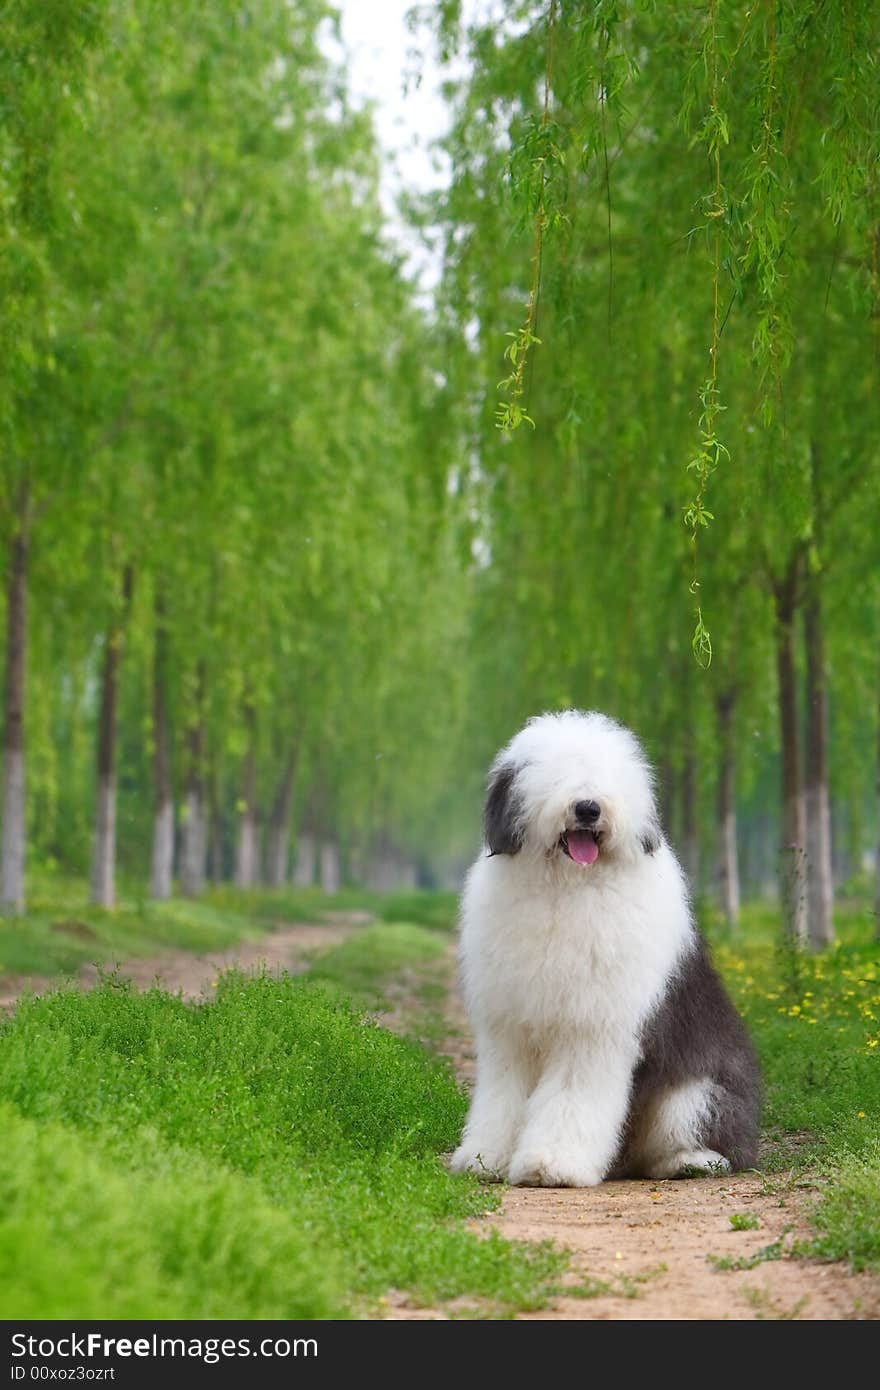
(714, 134)
(766, 214)
(541, 150)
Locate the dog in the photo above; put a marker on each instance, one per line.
(606, 1045)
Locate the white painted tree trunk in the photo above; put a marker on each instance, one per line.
(162, 860)
(13, 850)
(820, 877)
(277, 857)
(792, 852)
(278, 840)
(793, 872)
(877, 855)
(216, 848)
(358, 861)
(380, 870)
(389, 870)
(162, 863)
(192, 845)
(13, 830)
(730, 896)
(331, 873)
(407, 873)
(690, 842)
(104, 848)
(668, 799)
(247, 851)
(304, 868)
(104, 845)
(820, 884)
(728, 863)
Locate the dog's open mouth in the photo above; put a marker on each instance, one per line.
(581, 845)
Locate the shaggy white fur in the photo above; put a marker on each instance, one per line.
(564, 961)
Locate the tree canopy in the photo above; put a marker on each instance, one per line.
(290, 554)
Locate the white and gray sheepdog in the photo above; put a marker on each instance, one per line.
(606, 1045)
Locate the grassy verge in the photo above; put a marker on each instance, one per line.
(271, 1154)
(415, 906)
(400, 969)
(62, 931)
(816, 1023)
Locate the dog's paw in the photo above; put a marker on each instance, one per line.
(472, 1158)
(552, 1170)
(690, 1163)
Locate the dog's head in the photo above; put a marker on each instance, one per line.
(572, 785)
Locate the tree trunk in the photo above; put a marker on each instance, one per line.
(162, 861)
(247, 855)
(820, 880)
(668, 799)
(380, 866)
(216, 835)
(104, 848)
(331, 874)
(304, 868)
(278, 852)
(13, 854)
(162, 864)
(690, 844)
(792, 861)
(847, 853)
(877, 861)
(388, 868)
(192, 847)
(728, 864)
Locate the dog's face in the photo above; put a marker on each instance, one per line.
(572, 785)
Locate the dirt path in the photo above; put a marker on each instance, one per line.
(647, 1251)
(291, 947)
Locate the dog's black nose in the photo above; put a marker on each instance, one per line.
(588, 811)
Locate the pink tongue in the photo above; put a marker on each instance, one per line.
(582, 847)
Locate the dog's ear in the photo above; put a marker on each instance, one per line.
(651, 836)
(499, 817)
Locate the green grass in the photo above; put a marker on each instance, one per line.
(849, 1216)
(271, 1154)
(376, 959)
(62, 931)
(744, 1221)
(816, 1023)
(400, 969)
(723, 1263)
(418, 906)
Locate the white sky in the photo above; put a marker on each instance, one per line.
(410, 112)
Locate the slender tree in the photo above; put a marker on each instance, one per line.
(13, 856)
(162, 865)
(193, 833)
(247, 857)
(278, 844)
(728, 862)
(104, 844)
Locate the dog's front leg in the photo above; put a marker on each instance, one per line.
(574, 1117)
(497, 1107)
